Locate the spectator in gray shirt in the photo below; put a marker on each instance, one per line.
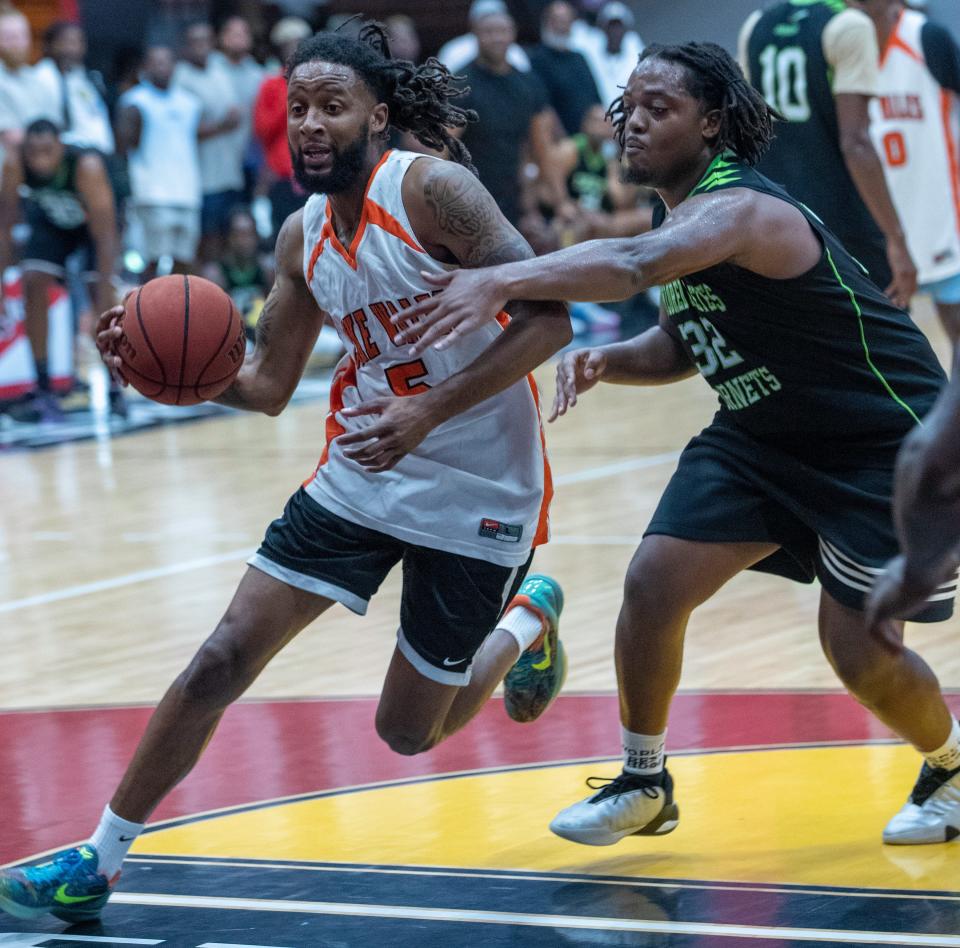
(220, 153)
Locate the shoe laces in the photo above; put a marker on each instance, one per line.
(623, 783)
(931, 779)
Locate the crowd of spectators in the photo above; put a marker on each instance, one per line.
(194, 142)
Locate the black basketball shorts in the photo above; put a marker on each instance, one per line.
(835, 526)
(48, 248)
(449, 604)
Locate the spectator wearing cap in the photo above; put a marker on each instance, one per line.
(21, 101)
(462, 50)
(613, 50)
(514, 115)
(221, 151)
(74, 98)
(270, 124)
(563, 71)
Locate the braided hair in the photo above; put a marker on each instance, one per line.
(713, 77)
(418, 97)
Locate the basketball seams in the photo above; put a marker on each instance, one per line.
(217, 353)
(186, 333)
(153, 352)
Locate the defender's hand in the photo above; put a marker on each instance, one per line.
(904, 271)
(402, 424)
(468, 301)
(577, 372)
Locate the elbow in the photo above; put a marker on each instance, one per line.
(856, 148)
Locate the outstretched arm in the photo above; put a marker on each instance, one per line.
(753, 230)
(455, 219)
(655, 357)
(926, 506)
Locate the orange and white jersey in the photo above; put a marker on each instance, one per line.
(913, 124)
(479, 484)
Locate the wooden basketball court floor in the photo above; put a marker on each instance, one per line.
(299, 828)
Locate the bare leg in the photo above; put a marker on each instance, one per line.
(36, 289)
(666, 580)
(949, 314)
(263, 617)
(898, 687)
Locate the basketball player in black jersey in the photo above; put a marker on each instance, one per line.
(815, 61)
(69, 207)
(819, 378)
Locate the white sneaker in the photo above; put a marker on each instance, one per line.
(628, 805)
(932, 814)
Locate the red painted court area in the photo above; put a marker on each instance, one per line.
(60, 767)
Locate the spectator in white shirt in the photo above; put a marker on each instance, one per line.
(73, 98)
(158, 125)
(613, 50)
(20, 100)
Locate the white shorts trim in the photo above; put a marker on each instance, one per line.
(311, 584)
(857, 576)
(440, 675)
(42, 266)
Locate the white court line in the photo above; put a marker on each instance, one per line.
(127, 579)
(617, 467)
(225, 944)
(30, 939)
(145, 575)
(582, 922)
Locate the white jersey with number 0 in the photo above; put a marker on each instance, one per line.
(477, 485)
(913, 124)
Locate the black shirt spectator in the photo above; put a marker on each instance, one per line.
(506, 103)
(564, 72)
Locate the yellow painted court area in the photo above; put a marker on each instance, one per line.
(811, 816)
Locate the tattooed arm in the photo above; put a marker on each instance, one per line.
(457, 221)
(286, 332)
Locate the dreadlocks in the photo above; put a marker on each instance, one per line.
(418, 97)
(713, 77)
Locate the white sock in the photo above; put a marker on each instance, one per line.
(523, 624)
(642, 753)
(112, 838)
(947, 757)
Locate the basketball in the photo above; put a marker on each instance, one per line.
(183, 340)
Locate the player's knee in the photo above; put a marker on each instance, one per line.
(215, 677)
(406, 740)
(653, 586)
(864, 667)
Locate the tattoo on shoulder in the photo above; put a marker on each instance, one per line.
(464, 210)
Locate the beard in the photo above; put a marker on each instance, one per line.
(346, 168)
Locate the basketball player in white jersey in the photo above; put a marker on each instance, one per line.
(455, 486)
(913, 121)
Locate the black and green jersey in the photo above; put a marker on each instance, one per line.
(823, 365)
(788, 66)
(56, 198)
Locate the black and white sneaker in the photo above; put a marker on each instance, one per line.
(932, 814)
(628, 805)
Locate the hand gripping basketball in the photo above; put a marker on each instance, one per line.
(181, 340)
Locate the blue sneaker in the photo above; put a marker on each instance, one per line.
(536, 679)
(68, 886)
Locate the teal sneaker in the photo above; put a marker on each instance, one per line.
(536, 679)
(69, 886)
